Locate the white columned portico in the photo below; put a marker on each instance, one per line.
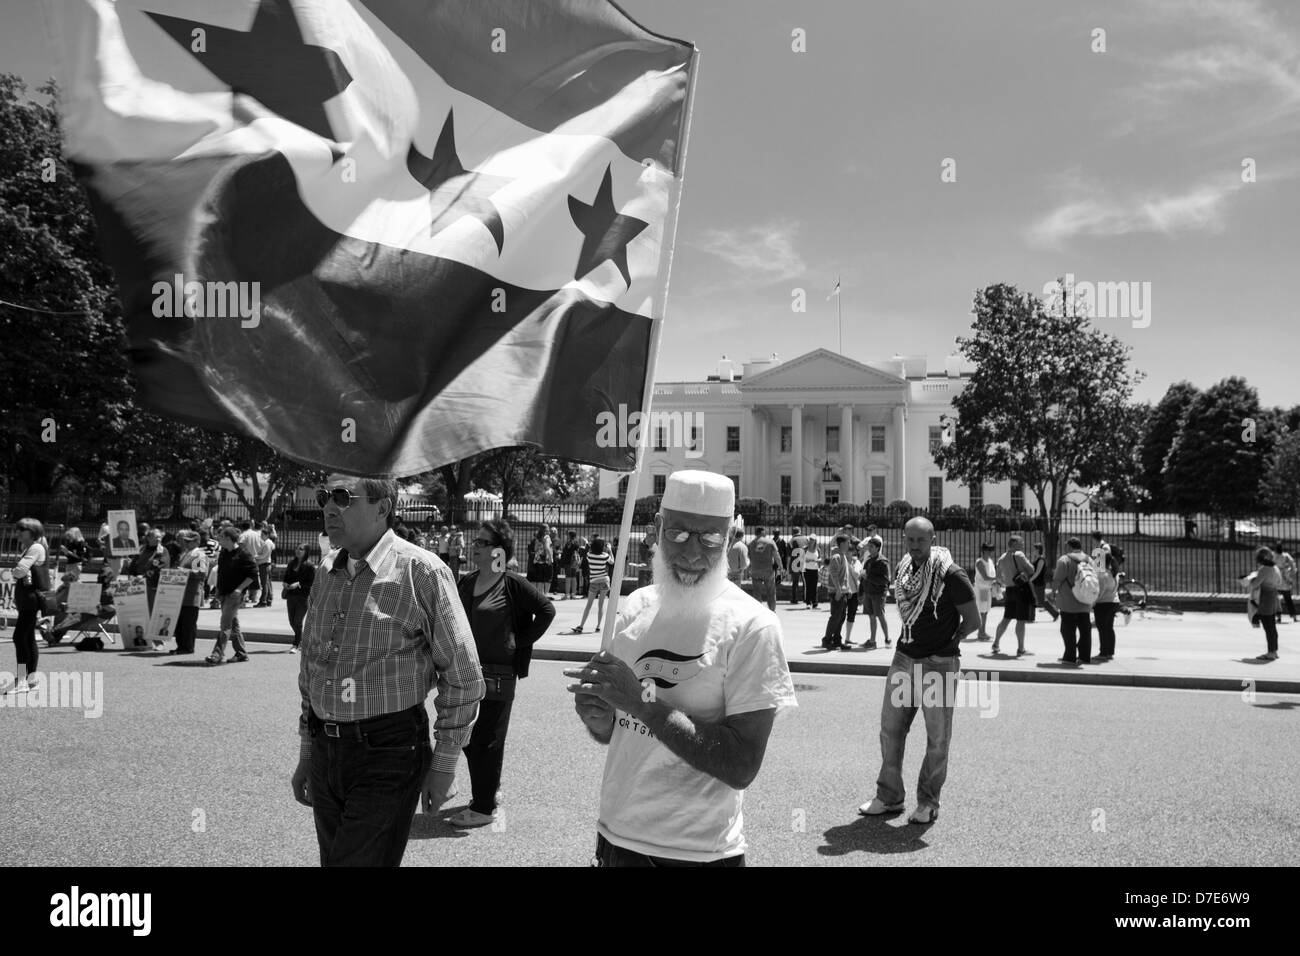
(900, 454)
(747, 456)
(846, 455)
(796, 454)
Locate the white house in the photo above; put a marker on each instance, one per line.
(821, 428)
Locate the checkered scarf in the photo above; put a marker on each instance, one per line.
(914, 586)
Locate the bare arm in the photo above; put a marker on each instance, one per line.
(970, 618)
(732, 751)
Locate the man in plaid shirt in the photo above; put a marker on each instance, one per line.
(384, 625)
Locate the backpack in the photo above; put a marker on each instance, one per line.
(90, 644)
(1086, 588)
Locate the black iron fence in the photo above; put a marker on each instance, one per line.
(1168, 553)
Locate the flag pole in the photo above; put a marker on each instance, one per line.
(656, 334)
(839, 304)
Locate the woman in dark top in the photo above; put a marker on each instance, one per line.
(298, 577)
(32, 579)
(507, 615)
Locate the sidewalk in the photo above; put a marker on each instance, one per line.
(1193, 651)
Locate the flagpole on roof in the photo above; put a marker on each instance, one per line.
(656, 334)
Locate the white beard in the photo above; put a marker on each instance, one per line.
(692, 597)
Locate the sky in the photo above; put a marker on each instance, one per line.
(1115, 166)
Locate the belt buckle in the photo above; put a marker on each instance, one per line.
(331, 730)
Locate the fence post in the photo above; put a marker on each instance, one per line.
(1218, 567)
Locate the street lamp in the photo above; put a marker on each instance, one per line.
(826, 470)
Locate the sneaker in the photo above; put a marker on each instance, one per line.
(887, 644)
(293, 650)
(1270, 656)
(871, 645)
(21, 687)
(877, 807)
(924, 814)
(212, 660)
(239, 659)
(471, 818)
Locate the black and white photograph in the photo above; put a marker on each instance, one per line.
(641, 433)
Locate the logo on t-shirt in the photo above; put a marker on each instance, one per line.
(666, 668)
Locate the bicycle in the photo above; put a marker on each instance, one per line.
(1132, 596)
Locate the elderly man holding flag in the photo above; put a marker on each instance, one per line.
(686, 694)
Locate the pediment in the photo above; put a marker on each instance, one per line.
(822, 368)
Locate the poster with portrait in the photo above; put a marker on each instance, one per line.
(83, 595)
(131, 597)
(123, 541)
(167, 606)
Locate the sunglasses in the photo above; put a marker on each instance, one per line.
(710, 539)
(340, 496)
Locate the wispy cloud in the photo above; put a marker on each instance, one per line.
(763, 254)
(1199, 209)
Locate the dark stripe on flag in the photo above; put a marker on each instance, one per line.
(352, 330)
(562, 58)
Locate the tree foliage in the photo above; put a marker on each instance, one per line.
(1216, 462)
(1048, 404)
(66, 369)
(1162, 428)
(1280, 487)
(524, 473)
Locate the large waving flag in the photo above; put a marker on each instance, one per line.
(382, 235)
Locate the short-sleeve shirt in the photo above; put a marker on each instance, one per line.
(728, 661)
(937, 632)
(493, 626)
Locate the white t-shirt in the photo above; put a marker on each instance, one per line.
(728, 661)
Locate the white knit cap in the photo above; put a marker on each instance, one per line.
(700, 492)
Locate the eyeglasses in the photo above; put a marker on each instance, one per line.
(340, 496)
(710, 539)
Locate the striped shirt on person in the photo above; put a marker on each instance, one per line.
(598, 568)
(378, 642)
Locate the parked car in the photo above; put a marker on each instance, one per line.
(420, 515)
(1244, 529)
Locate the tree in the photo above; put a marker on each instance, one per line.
(185, 457)
(1216, 463)
(1280, 488)
(1162, 428)
(523, 472)
(268, 475)
(1046, 405)
(64, 382)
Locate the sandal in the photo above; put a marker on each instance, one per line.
(574, 630)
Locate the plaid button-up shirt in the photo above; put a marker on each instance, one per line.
(377, 643)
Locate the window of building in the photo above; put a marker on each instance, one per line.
(936, 438)
(623, 483)
(1018, 496)
(936, 493)
(878, 439)
(733, 438)
(832, 439)
(660, 483)
(787, 439)
(832, 496)
(661, 438)
(696, 439)
(785, 490)
(977, 495)
(735, 481)
(878, 490)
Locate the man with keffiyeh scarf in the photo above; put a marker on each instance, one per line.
(937, 605)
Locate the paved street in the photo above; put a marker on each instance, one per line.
(189, 765)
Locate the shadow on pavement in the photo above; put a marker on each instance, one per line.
(1279, 705)
(434, 826)
(874, 835)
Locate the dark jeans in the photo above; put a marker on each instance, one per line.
(796, 579)
(264, 583)
(810, 587)
(765, 591)
(607, 854)
(297, 606)
(187, 629)
(843, 607)
(486, 753)
(1290, 605)
(1269, 623)
(365, 787)
(25, 638)
(1076, 631)
(1105, 615)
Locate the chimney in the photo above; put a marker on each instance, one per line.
(952, 364)
(725, 372)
